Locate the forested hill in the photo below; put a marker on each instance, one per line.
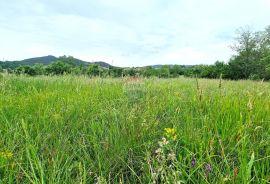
(46, 60)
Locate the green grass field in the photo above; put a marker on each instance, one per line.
(81, 130)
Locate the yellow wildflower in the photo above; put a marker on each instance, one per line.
(169, 130)
(170, 133)
(177, 94)
(6, 155)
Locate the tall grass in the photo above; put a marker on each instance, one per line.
(80, 130)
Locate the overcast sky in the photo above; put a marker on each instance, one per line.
(127, 32)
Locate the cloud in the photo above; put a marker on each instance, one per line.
(129, 33)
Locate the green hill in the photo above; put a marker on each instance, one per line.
(46, 60)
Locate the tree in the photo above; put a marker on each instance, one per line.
(76, 70)
(116, 71)
(39, 69)
(176, 70)
(265, 71)
(68, 60)
(93, 70)
(164, 71)
(251, 49)
(130, 72)
(25, 70)
(246, 56)
(58, 68)
(220, 68)
(148, 71)
(263, 41)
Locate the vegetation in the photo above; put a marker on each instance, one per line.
(47, 60)
(251, 61)
(72, 129)
(79, 122)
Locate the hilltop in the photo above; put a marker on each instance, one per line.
(46, 60)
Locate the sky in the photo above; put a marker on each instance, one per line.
(127, 32)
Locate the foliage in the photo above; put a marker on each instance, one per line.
(93, 70)
(116, 71)
(58, 68)
(25, 70)
(252, 49)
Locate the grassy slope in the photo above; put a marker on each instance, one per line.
(76, 129)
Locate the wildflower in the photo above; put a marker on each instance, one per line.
(177, 94)
(226, 178)
(169, 130)
(158, 151)
(193, 162)
(171, 156)
(208, 168)
(6, 155)
(163, 142)
(170, 133)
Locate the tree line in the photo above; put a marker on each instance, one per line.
(250, 61)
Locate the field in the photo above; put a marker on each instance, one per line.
(80, 130)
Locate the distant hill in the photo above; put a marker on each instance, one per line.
(103, 64)
(170, 65)
(46, 60)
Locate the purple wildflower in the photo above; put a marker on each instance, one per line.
(193, 162)
(208, 168)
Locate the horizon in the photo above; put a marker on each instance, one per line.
(93, 61)
(127, 34)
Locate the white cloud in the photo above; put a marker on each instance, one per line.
(131, 33)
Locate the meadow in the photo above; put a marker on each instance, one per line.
(71, 129)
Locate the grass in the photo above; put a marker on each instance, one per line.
(80, 130)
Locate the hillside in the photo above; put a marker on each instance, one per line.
(170, 65)
(46, 60)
